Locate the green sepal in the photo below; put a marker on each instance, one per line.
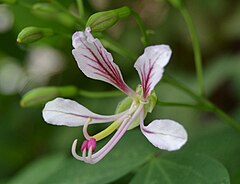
(148, 107)
(39, 96)
(103, 20)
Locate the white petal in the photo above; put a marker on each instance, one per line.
(150, 66)
(70, 113)
(95, 62)
(165, 134)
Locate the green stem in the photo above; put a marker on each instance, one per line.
(221, 114)
(91, 94)
(114, 46)
(168, 79)
(81, 9)
(196, 47)
(63, 9)
(177, 104)
(204, 103)
(142, 28)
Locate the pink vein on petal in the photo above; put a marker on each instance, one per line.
(101, 62)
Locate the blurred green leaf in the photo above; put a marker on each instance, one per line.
(184, 168)
(236, 178)
(222, 144)
(39, 170)
(222, 68)
(127, 156)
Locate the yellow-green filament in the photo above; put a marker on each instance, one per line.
(106, 132)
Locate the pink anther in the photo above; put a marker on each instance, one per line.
(92, 143)
(84, 145)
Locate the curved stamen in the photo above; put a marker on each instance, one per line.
(93, 158)
(89, 157)
(84, 145)
(84, 155)
(120, 132)
(111, 128)
(85, 126)
(74, 153)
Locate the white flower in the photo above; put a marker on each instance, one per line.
(96, 63)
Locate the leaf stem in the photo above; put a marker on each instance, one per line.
(81, 10)
(114, 46)
(178, 104)
(91, 94)
(65, 10)
(196, 47)
(202, 103)
(139, 21)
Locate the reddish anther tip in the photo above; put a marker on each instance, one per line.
(84, 145)
(92, 143)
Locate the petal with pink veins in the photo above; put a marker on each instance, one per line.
(165, 134)
(70, 113)
(150, 66)
(95, 62)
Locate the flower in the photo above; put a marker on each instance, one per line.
(96, 63)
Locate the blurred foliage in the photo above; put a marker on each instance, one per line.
(35, 152)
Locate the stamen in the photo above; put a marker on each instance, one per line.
(84, 155)
(106, 132)
(85, 126)
(92, 144)
(110, 129)
(120, 132)
(75, 155)
(89, 157)
(84, 145)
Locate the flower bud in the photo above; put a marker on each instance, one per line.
(42, 95)
(103, 20)
(32, 34)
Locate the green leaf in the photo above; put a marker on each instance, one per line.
(183, 168)
(39, 170)
(221, 143)
(131, 152)
(236, 178)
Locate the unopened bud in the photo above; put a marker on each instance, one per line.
(42, 95)
(32, 34)
(103, 20)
